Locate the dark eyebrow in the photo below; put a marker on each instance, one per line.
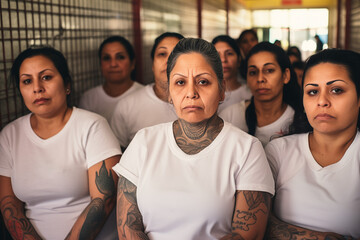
(312, 84)
(41, 72)
(266, 64)
(336, 80)
(328, 83)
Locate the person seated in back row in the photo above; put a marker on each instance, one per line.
(150, 105)
(276, 95)
(117, 63)
(230, 57)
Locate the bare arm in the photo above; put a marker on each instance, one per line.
(278, 229)
(102, 188)
(250, 215)
(12, 210)
(129, 220)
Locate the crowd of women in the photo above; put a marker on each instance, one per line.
(227, 143)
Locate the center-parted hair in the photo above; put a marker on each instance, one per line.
(196, 45)
(291, 90)
(346, 58)
(55, 56)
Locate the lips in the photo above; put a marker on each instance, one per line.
(262, 90)
(192, 108)
(40, 101)
(324, 116)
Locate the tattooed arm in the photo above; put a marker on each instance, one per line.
(12, 210)
(250, 215)
(129, 220)
(278, 229)
(102, 188)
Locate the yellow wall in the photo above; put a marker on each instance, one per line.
(271, 4)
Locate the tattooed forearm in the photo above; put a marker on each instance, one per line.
(194, 137)
(15, 220)
(95, 218)
(92, 219)
(278, 229)
(250, 215)
(129, 220)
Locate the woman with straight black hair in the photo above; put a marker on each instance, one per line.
(56, 180)
(117, 63)
(235, 89)
(276, 95)
(149, 105)
(316, 171)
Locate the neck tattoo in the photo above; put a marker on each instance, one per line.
(195, 131)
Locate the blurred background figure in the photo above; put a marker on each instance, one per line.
(247, 40)
(319, 43)
(277, 43)
(117, 63)
(299, 67)
(150, 105)
(235, 90)
(294, 54)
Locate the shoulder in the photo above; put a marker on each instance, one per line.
(92, 91)
(236, 108)
(154, 132)
(235, 135)
(286, 147)
(16, 126)
(84, 117)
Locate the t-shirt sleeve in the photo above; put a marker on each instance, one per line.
(6, 160)
(130, 163)
(101, 142)
(118, 125)
(272, 157)
(255, 173)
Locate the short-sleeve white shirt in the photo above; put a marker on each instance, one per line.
(139, 110)
(235, 114)
(325, 199)
(183, 196)
(51, 175)
(96, 100)
(231, 97)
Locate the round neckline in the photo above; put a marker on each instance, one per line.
(38, 139)
(285, 113)
(315, 166)
(203, 153)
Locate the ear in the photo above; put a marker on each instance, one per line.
(286, 76)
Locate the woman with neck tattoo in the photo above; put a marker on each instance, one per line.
(197, 177)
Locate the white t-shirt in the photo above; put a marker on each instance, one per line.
(138, 110)
(96, 100)
(231, 97)
(325, 199)
(51, 175)
(183, 196)
(235, 114)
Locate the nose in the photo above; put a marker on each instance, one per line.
(323, 100)
(260, 78)
(38, 87)
(192, 91)
(113, 62)
(222, 57)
